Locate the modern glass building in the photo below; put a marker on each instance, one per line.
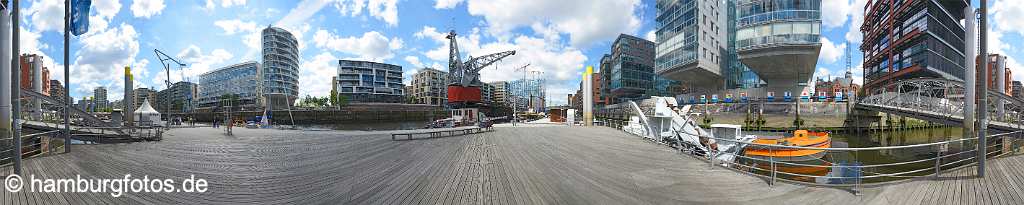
(736, 74)
(909, 39)
(244, 80)
(363, 81)
(280, 67)
(690, 42)
(526, 94)
(628, 73)
(181, 96)
(779, 41)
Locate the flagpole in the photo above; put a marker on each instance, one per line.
(16, 84)
(67, 74)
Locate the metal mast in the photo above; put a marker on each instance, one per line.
(164, 58)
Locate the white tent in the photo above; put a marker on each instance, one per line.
(146, 115)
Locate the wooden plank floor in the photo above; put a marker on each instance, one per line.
(535, 165)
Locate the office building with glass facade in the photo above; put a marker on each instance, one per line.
(243, 81)
(911, 39)
(363, 81)
(628, 72)
(528, 94)
(690, 42)
(779, 41)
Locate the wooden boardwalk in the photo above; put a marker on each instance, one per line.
(535, 165)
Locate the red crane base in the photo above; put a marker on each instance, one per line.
(463, 95)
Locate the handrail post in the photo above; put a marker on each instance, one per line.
(860, 176)
(711, 155)
(938, 161)
(771, 159)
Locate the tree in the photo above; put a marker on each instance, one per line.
(334, 98)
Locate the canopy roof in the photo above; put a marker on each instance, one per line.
(146, 108)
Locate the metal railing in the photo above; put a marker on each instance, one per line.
(849, 167)
(35, 140)
(867, 174)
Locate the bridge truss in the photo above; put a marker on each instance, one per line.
(942, 101)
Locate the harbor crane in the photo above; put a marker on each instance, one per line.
(464, 77)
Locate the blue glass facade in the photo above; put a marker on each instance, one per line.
(526, 92)
(628, 72)
(243, 80)
(737, 75)
(770, 22)
(677, 28)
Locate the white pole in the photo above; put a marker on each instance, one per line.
(969, 70)
(1000, 86)
(588, 97)
(37, 85)
(5, 74)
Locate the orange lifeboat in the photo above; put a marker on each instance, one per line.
(801, 138)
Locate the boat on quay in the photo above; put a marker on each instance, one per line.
(759, 149)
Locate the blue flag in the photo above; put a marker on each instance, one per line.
(80, 16)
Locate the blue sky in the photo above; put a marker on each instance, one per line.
(557, 38)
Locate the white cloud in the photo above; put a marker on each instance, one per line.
(196, 62)
(822, 73)
(446, 4)
(31, 44)
(371, 46)
(107, 8)
(858, 74)
(211, 4)
(834, 13)
(46, 15)
(558, 62)
(1006, 15)
(234, 26)
(315, 75)
(857, 15)
(651, 36)
(147, 8)
(586, 21)
(830, 52)
(108, 52)
(414, 61)
(384, 10)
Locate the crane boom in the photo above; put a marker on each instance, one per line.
(468, 73)
(471, 74)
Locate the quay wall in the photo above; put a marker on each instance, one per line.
(361, 112)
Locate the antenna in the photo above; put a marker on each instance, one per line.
(451, 24)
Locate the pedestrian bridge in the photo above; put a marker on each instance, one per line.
(942, 101)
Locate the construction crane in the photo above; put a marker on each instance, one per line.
(464, 77)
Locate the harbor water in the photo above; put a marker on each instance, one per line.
(845, 167)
